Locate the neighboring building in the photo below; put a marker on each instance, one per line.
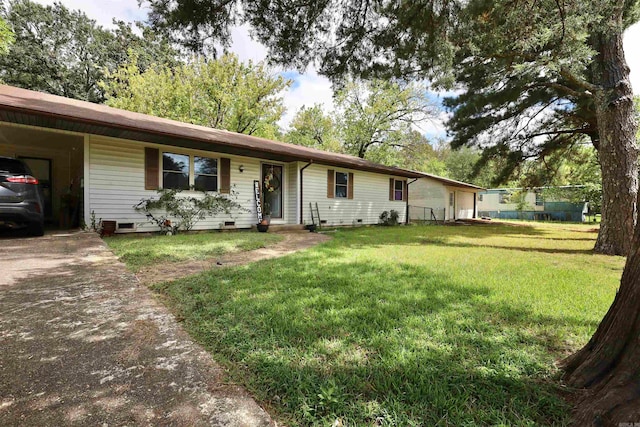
(501, 203)
(433, 198)
(95, 160)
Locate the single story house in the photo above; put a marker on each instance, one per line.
(434, 198)
(515, 203)
(95, 161)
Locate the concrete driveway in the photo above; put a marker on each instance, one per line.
(83, 343)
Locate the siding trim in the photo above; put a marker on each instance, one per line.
(225, 175)
(392, 188)
(151, 168)
(331, 176)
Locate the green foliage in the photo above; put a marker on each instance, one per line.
(389, 218)
(143, 251)
(312, 128)
(519, 198)
(590, 193)
(223, 94)
(174, 212)
(376, 120)
(377, 116)
(63, 52)
(7, 37)
(406, 326)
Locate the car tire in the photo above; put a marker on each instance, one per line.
(36, 229)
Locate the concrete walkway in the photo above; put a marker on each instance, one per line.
(83, 343)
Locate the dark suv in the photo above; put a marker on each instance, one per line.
(21, 200)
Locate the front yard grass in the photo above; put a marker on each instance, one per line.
(141, 251)
(428, 325)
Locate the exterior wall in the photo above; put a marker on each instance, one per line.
(490, 206)
(116, 176)
(464, 204)
(428, 193)
(370, 197)
(292, 193)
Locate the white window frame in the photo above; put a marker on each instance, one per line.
(401, 199)
(346, 186)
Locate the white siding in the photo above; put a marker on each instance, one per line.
(117, 182)
(491, 202)
(370, 197)
(464, 205)
(291, 210)
(428, 193)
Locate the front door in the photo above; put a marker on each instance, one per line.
(272, 183)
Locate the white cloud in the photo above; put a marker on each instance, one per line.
(103, 11)
(308, 89)
(631, 43)
(245, 47)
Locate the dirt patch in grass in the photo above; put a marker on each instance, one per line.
(291, 242)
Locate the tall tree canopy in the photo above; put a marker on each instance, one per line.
(63, 52)
(564, 52)
(376, 117)
(313, 128)
(223, 93)
(7, 37)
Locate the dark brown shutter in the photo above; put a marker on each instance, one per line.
(151, 168)
(350, 186)
(225, 175)
(405, 193)
(391, 189)
(331, 183)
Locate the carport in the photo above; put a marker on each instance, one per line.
(56, 159)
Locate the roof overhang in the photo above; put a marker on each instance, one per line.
(451, 182)
(38, 109)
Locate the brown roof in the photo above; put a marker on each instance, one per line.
(45, 110)
(41, 109)
(451, 182)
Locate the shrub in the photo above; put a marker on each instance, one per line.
(173, 212)
(389, 217)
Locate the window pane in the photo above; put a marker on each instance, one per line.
(205, 165)
(177, 181)
(341, 191)
(399, 185)
(206, 183)
(175, 162)
(341, 178)
(398, 195)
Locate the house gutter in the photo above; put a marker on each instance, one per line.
(301, 188)
(406, 209)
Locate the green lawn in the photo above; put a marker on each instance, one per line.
(428, 325)
(140, 251)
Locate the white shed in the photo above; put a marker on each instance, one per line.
(434, 198)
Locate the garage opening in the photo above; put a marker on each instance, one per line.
(56, 160)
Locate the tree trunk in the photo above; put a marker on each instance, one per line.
(608, 367)
(618, 149)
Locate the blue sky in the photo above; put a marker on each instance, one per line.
(307, 88)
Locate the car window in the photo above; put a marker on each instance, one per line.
(13, 166)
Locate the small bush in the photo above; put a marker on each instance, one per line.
(389, 217)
